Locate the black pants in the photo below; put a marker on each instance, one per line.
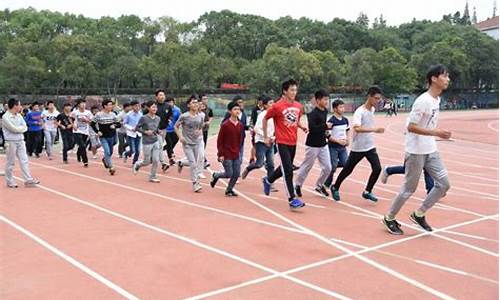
(34, 144)
(68, 142)
(171, 139)
(2, 139)
(81, 141)
(122, 143)
(287, 154)
(205, 138)
(353, 159)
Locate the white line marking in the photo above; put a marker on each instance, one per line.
(70, 259)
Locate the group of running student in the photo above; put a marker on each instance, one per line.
(160, 125)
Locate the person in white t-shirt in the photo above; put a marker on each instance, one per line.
(363, 145)
(421, 152)
(82, 118)
(49, 117)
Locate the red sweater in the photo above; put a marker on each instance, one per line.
(229, 140)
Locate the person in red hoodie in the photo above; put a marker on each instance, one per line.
(228, 149)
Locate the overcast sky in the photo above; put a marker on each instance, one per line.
(394, 11)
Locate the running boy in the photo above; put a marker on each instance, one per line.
(228, 149)
(316, 147)
(363, 145)
(82, 118)
(421, 152)
(50, 127)
(148, 127)
(65, 123)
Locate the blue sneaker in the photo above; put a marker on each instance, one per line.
(335, 193)
(296, 203)
(267, 186)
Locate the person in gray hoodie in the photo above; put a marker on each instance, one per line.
(14, 128)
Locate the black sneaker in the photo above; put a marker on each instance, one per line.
(179, 167)
(164, 167)
(86, 165)
(295, 168)
(322, 191)
(214, 181)
(420, 221)
(244, 174)
(392, 226)
(298, 191)
(104, 163)
(231, 194)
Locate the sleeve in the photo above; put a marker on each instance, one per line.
(271, 112)
(220, 141)
(258, 124)
(417, 111)
(6, 123)
(179, 121)
(210, 113)
(93, 124)
(140, 125)
(356, 118)
(347, 123)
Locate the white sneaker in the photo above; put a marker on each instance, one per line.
(155, 180)
(384, 176)
(197, 187)
(201, 176)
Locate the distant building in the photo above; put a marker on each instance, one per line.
(489, 26)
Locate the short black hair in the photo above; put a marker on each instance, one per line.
(150, 103)
(202, 95)
(49, 102)
(373, 90)
(106, 102)
(12, 102)
(157, 91)
(264, 98)
(190, 99)
(95, 107)
(170, 99)
(320, 94)
(435, 71)
(336, 103)
(80, 100)
(134, 102)
(232, 105)
(125, 105)
(236, 98)
(287, 84)
(34, 103)
(66, 104)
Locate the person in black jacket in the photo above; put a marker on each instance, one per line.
(162, 112)
(316, 146)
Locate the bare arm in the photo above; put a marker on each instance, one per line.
(414, 128)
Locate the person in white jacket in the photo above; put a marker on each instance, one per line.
(14, 128)
(263, 152)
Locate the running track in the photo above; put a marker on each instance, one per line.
(85, 234)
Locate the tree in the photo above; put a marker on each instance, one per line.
(363, 20)
(466, 16)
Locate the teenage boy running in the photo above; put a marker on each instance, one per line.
(316, 147)
(14, 126)
(148, 127)
(421, 152)
(286, 113)
(35, 130)
(104, 124)
(228, 149)
(65, 123)
(192, 140)
(50, 127)
(363, 145)
(81, 118)
(133, 136)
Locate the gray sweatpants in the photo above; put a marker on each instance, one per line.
(162, 140)
(195, 155)
(323, 156)
(151, 155)
(414, 164)
(16, 149)
(50, 137)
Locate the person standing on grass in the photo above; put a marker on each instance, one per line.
(13, 128)
(161, 111)
(104, 124)
(338, 139)
(228, 149)
(133, 136)
(65, 124)
(50, 127)
(286, 113)
(171, 137)
(35, 130)
(191, 139)
(363, 145)
(421, 152)
(264, 153)
(209, 116)
(81, 118)
(316, 147)
(148, 126)
(122, 131)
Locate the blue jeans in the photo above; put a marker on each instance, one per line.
(134, 143)
(263, 152)
(231, 170)
(338, 158)
(429, 182)
(107, 145)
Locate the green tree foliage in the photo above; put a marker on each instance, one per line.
(44, 49)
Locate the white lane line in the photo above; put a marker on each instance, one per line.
(69, 259)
